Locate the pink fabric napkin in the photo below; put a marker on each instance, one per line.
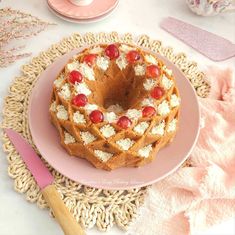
(195, 198)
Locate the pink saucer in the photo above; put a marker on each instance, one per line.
(82, 21)
(46, 137)
(95, 9)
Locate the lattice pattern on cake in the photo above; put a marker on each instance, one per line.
(108, 80)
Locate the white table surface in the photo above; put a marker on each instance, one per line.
(17, 216)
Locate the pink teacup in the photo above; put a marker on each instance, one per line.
(81, 2)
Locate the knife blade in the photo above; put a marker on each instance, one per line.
(45, 181)
(211, 45)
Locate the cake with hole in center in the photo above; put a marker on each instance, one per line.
(116, 105)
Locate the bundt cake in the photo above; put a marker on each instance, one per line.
(115, 105)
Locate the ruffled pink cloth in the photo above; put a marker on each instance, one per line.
(195, 198)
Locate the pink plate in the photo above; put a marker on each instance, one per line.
(82, 21)
(46, 137)
(95, 9)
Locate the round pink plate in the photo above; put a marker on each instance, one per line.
(95, 9)
(46, 137)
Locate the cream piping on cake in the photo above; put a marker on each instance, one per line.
(149, 84)
(174, 101)
(73, 66)
(107, 131)
(166, 82)
(82, 88)
(126, 48)
(141, 128)
(133, 114)
(103, 156)
(121, 62)
(150, 59)
(68, 139)
(163, 108)
(96, 50)
(172, 125)
(145, 151)
(86, 71)
(53, 107)
(62, 112)
(87, 137)
(90, 107)
(65, 92)
(148, 102)
(159, 129)
(79, 118)
(110, 117)
(58, 82)
(125, 144)
(168, 71)
(139, 70)
(102, 62)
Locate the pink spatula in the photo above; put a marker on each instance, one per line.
(212, 46)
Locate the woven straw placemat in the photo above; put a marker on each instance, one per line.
(90, 206)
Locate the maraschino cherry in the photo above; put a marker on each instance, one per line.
(132, 56)
(75, 76)
(96, 116)
(80, 100)
(148, 111)
(124, 122)
(90, 59)
(157, 92)
(153, 71)
(112, 51)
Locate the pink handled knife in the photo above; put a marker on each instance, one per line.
(212, 46)
(45, 180)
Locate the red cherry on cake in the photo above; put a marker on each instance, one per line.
(96, 116)
(112, 51)
(153, 71)
(124, 122)
(90, 59)
(75, 76)
(80, 100)
(132, 56)
(157, 92)
(148, 111)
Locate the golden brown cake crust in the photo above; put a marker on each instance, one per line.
(106, 83)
